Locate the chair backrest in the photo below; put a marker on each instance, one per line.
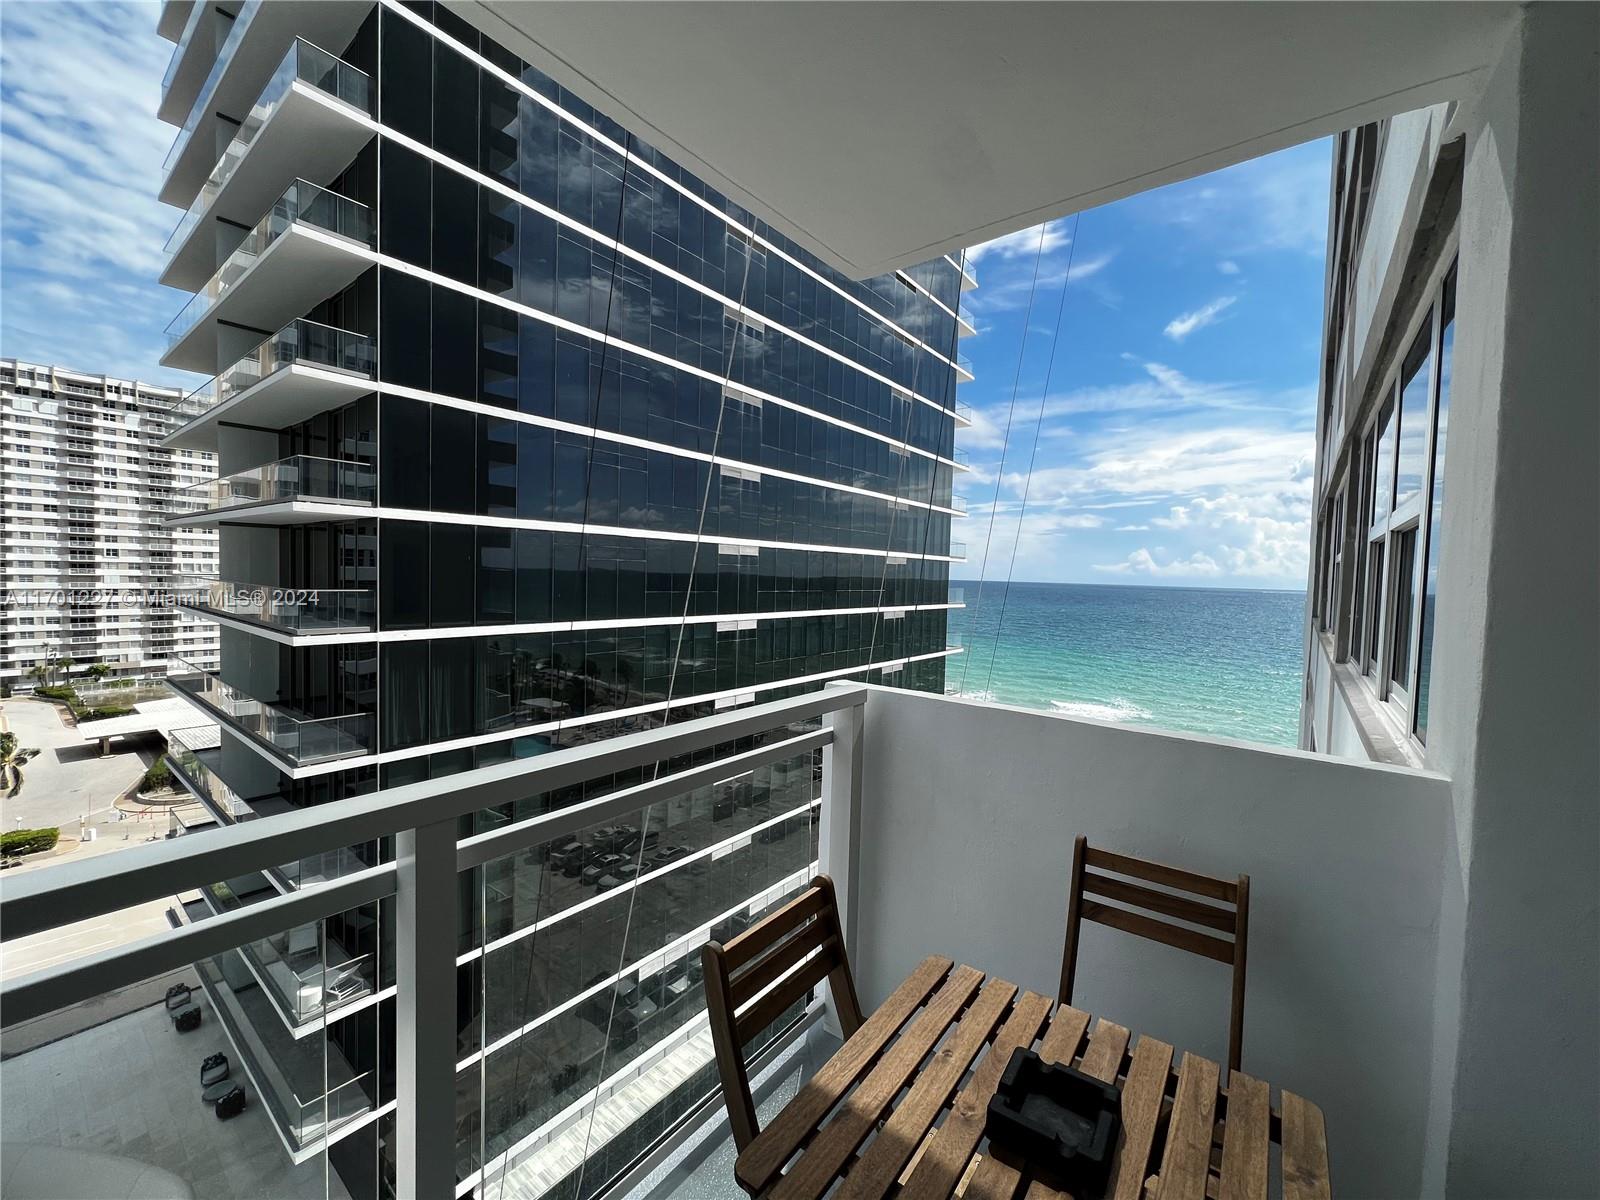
(1091, 887)
(772, 950)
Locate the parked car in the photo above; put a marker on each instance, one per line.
(602, 866)
(627, 871)
(607, 883)
(669, 854)
(569, 858)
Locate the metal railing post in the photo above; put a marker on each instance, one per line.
(425, 1011)
(841, 821)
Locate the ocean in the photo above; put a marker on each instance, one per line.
(1201, 660)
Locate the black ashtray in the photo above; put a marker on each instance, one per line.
(1056, 1123)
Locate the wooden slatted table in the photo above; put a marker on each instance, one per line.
(900, 1109)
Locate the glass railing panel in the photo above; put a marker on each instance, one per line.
(202, 100)
(611, 920)
(298, 737)
(310, 973)
(304, 63)
(295, 610)
(959, 503)
(301, 342)
(182, 48)
(959, 455)
(299, 477)
(302, 203)
(958, 550)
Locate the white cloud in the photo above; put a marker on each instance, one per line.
(1276, 202)
(1182, 326)
(1024, 242)
(1228, 267)
(1143, 562)
(83, 230)
(1132, 528)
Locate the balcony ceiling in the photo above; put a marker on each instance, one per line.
(880, 135)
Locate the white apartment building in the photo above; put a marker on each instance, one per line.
(86, 554)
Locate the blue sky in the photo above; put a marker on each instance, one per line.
(1177, 407)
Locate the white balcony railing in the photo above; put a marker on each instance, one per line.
(947, 827)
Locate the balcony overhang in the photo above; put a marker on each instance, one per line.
(192, 57)
(910, 130)
(302, 266)
(174, 15)
(310, 136)
(275, 512)
(286, 397)
(259, 48)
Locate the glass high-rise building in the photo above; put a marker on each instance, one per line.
(525, 438)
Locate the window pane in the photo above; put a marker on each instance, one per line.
(1405, 562)
(1374, 595)
(1383, 476)
(1414, 416)
(1430, 587)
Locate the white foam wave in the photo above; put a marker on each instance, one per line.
(980, 695)
(1117, 710)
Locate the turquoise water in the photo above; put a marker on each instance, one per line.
(1202, 660)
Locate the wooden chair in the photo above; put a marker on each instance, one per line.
(1234, 921)
(736, 973)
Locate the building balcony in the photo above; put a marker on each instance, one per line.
(958, 551)
(1350, 865)
(294, 738)
(171, 21)
(961, 458)
(969, 275)
(964, 326)
(292, 491)
(309, 245)
(300, 371)
(306, 123)
(295, 613)
(959, 503)
(964, 369)
(254, 48)
(963, 412)
(192, 56)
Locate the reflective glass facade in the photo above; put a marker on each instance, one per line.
(637, 458)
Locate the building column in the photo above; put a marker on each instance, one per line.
(1519, 637)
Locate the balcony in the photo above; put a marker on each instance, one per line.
(254, 48)
(292, 491)
(192, 56)
(309, 245)
(295, 738)
(961, 458)
(963, 412)
(964, 326)
(959, 503)
(1351, 866)
(958, 551)
(300, 371)
(306, 123)
(969, 275)
(296, 613)
(964, 369)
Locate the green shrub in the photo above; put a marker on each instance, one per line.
(157, 779)
(58, 691)
(28, 841)
(99, 714)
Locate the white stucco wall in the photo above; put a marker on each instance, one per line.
(966, 824)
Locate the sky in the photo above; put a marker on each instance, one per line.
(1163, 349)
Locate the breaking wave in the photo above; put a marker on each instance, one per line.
(1116, 710)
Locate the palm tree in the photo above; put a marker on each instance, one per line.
(40, 673)
(65, 665)
(11, 760)
(98, 671)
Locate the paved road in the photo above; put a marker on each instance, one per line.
(68, 779)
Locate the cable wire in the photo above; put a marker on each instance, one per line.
(1005, 447)
(1027, 484)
